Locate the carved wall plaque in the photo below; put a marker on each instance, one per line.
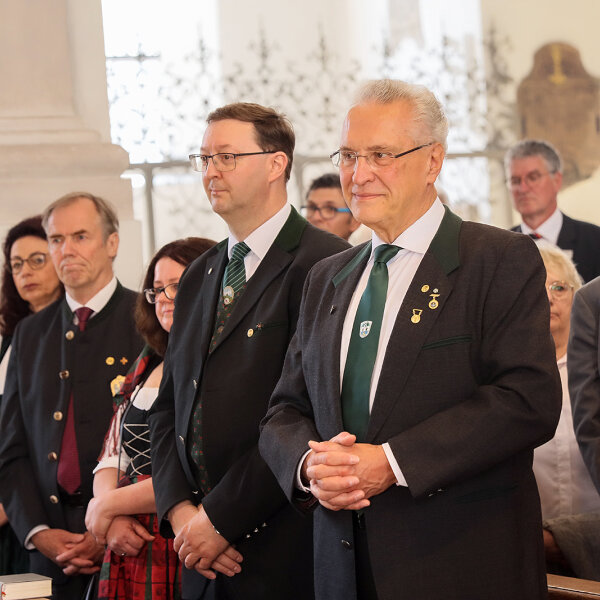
(560, 102)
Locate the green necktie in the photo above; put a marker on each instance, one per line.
(235, 273)
(362, 350)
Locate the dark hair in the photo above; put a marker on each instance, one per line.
(329, 180)
(183, 252)
(273, 130)
(108, 215)
(12, 307)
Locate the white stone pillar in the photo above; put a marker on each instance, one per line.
(54, 122)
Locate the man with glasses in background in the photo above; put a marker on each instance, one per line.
(325, 207)
(421, 376)
(534, 176)
(235, 314)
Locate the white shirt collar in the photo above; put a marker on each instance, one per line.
(417, 238)
(261, 239)
(549, 229)
(97, 302)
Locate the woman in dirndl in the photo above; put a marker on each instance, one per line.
(139, 562)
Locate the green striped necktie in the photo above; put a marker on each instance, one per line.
(364, 340)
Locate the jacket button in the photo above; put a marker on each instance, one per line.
(250, 332)
(347, 544)
(57, 416)
(54, 499)
(52, 456)
(70, 334)
(63, 374)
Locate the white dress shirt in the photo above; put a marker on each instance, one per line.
(260, 240)
(414, 242)
(564, 483)
(549, 229)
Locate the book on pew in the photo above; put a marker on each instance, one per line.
(24, 586)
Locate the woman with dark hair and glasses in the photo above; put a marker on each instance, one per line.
(139, 562)
(29, 283)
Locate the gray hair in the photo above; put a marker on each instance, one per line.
(526, 148)
(108, 215)
(429, 113)
(555, 257)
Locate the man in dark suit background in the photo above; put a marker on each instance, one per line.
(420, 378)
(534, 177)
(235, 314)
(66, 363)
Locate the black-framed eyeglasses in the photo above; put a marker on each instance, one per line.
(169, 291)
(559, 289)
(327, 212)
(347, 159)
(223, 161)
(531, 179)
(36, 260)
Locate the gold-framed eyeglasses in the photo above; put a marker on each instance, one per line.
(559, 289)
(36, 260)
(531, 179)
(347, 159)
(169, 291)
(222, 161)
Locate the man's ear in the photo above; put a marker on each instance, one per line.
(112, 244)
(436, 160)
(279, 162)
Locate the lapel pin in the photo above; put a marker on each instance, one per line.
(110, 360)
(210, 271)
(228, 294)
(433, 304)
(123, 361)
(416, 316)
(425, 288)
(332, 309)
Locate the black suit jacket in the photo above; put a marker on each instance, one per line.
(50, 358)
(583, 239)
(464, 395)
(235, 381)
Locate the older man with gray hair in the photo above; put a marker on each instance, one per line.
(534, 177)
(420, 378)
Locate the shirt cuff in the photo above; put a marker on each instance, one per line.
(28, 544)
(112, 462)
(400, 480)
(299, 483)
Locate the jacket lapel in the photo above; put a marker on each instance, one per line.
(275, 261)
(420, 310)
(331, 325)
(213, 277)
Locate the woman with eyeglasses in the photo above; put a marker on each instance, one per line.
(564, 483)
(139, 562)
(29, 283)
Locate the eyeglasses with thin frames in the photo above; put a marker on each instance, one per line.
(531, 179)
(222, 161)
(169, 291)
(36, 260)
(347, 159)
(559, 289)
(326, 212)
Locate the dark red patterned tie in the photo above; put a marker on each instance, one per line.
(69, 476)
(535, 236)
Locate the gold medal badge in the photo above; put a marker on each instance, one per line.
(115, 384)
